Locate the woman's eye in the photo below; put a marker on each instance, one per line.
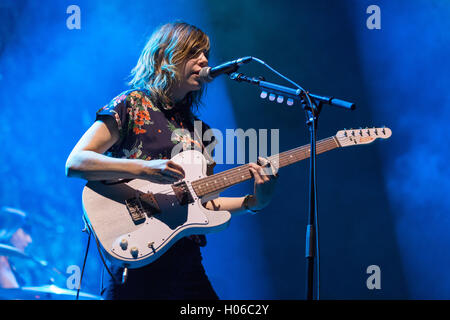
(194, 52)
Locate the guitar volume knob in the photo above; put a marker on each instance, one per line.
(134, 252)
(124, 244)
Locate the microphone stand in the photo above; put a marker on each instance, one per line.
(312, 104)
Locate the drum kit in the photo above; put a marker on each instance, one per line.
(12, 256)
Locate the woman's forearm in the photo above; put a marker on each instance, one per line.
(91, 165)
(234, 205)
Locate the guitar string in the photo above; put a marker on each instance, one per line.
(284, 159)
(281, 155)
(218, 181)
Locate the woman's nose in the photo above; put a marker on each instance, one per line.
(203, 62)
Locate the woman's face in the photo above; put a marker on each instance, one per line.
(20, 239)
(190, 79)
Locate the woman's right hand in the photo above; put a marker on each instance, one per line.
(162, 171)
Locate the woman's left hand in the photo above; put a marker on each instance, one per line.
(265, 176)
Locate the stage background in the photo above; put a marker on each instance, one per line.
(383, 204)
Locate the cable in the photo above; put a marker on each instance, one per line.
(103, 260)
(316, 222)
(279, 74)
(287, 79)
(84, 261)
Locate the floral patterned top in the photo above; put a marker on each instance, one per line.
(149, 132)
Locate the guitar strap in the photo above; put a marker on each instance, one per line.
(200, 239)
(199, 138)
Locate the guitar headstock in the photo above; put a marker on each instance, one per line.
(353, 137)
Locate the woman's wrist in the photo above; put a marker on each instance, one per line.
(250, 205)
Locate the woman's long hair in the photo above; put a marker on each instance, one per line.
(157, 67)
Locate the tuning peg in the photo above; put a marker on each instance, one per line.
(368, 131)
(290, 102)
(384, 131)
(345, 133)
(263, 95)
(280, 99)
(272, 97)
(376, 131)
(360, 131)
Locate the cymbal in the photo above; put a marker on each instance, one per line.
(10, 251)
(48, 292)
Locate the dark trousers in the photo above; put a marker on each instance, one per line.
(177, 275)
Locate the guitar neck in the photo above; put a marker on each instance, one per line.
(228, 178)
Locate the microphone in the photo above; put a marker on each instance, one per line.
(207, 74)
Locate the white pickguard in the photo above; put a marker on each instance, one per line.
(158, 232)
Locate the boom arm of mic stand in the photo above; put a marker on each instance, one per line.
(334, 102)
(295, 94)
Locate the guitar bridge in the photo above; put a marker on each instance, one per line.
(135, 209)
(141, 206)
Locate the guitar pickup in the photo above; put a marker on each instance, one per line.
(182, 193)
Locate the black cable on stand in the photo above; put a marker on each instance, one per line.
(312, 104)
(312, 230)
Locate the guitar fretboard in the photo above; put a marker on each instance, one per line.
(228, 178)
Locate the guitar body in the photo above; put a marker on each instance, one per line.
(136, 222)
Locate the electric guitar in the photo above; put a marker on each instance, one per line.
(135, 222)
